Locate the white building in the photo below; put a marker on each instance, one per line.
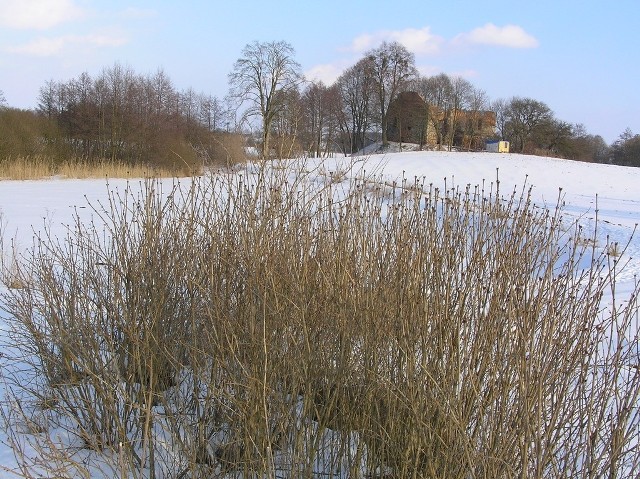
(496, 146)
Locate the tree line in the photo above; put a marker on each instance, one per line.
(122, 115)
(118, 115)
(316, 119)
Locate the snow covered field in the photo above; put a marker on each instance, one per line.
(28, 205)
(610, 192)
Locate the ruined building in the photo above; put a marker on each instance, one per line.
(413, 120)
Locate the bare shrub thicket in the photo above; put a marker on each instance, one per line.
(270, 324)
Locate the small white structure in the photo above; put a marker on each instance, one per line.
(497, 146)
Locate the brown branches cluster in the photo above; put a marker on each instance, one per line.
(261, 324)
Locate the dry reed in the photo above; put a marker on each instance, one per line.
(38, 167)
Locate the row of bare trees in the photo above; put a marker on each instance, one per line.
(531, 127)
(315, 118)
(626, 149)
(120, 114)
(298, 117)
(123, 115)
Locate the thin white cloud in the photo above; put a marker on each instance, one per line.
(326, 73)
(511, 36)
(363, 42)
(428, 70)
(432, 70)
(469, 73)
(417, 40)
(422, 41)
(103, 39)
(44, 47)
(37, 14)
(41, 47)
(138, 13)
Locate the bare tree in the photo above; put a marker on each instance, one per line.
(555, 137)
(286, 125)
(460, 98)
(120, 83)
(522, 117)
(437, 92)
(334, 114)
(393, 69)
(163, 92)
(80, 116)
(212, 112)
(474, 127)
(51, 99)
(263, 76)
(626, 149)
(318, 127)
(3, 100)
(588, 147)
(188, 106)
(500, 107)
(356, 92)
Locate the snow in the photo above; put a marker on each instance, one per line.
(611, 192)
(27, 206)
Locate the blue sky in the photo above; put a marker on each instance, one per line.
(578, 56)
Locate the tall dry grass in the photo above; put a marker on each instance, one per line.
(40, 167)
(267, 324)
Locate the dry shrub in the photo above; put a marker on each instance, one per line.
(10, 275)
(226, 149)
(25, 133)
(176, 155)
(263, 324)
